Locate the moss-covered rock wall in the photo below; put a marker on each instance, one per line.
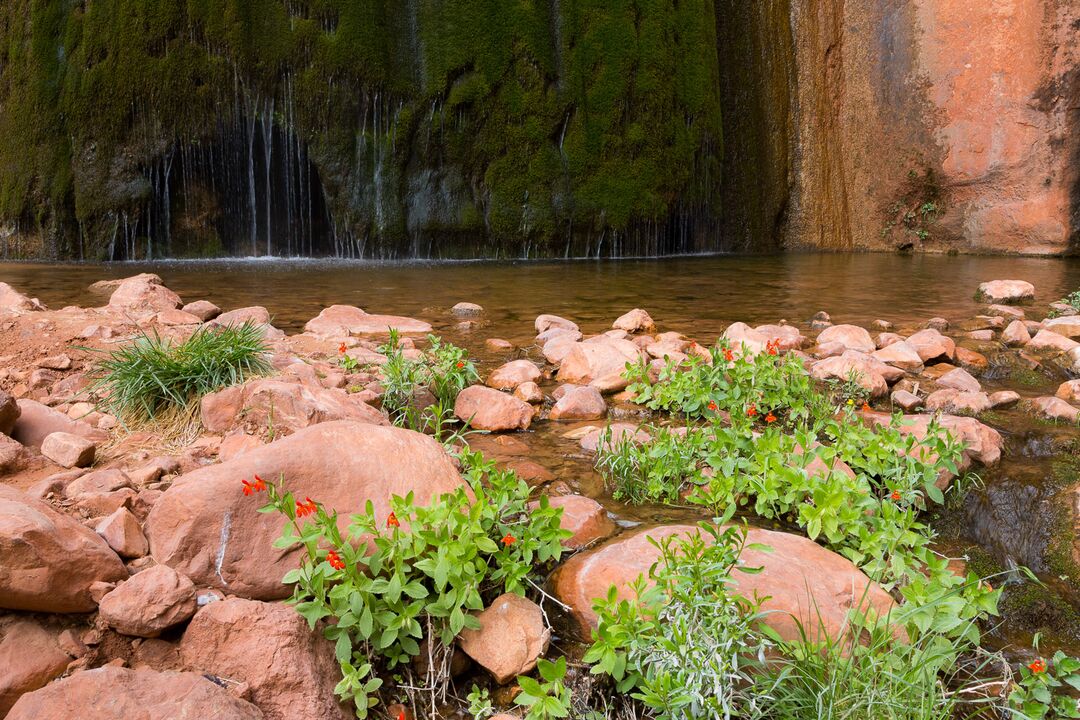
(433, 127)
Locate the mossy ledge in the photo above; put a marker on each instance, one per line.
(479, 127)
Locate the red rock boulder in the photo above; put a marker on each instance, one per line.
(290, 670)
(29, 658)
(48, 561)
(487, 409)
(204, 526)
(150, 602)
(801, 580)
(512, 635)
(109, 693)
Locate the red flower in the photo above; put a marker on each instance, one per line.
(865, 407)
(986, 586)
(895, 495)
(728, 355)
(252, 487)
(1037, 666)
(770, 418)
(772, 347)
(509, 540)
(460, 364)
(751, 411)
(713, 406)
(392, 521)
(401, 715)
(308, 507)
(335, 560)
(341, 349)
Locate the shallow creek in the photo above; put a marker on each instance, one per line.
(1019, 514)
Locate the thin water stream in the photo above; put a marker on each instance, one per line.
(1011, 518)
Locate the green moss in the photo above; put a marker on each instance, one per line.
(557, 118)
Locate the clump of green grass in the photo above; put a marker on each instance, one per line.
(152, 376)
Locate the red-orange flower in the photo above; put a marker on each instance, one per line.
(509, 540)
(772, 347)
(392, 521)
(770, 418)
(308, 507)
(341, 349)
(728, 355)
(460, 364)
(865, 407)
(895, 495)
(751, 411)
(252, 487)
(401, 715)
(713, 406)
(1037, 666)
(335, 560)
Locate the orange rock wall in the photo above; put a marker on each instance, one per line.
(936, 125)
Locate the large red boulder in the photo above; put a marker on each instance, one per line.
(290, 670)
(600, 362)
(266, 403)
(109, 693)
(204, 526)
(47, 560)
(29, 658)
(150, 602)
(485, 408)
(143, 295)
(801, 581)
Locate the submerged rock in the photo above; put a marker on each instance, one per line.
(204, 527)
(1005, 292)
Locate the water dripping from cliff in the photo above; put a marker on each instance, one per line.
(251, 189)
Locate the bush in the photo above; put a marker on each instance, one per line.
(443, 369)
(755, 453)
(685, 646)
(152, 376)
(425, 570)
(1072, 300)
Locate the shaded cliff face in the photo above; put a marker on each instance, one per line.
(421, 128)
(936, 125)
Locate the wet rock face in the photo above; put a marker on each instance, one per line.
(960, 107)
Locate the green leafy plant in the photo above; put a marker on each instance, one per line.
(153, 375)
(1072, 300)
(390, 582)
(548, 697)
(684, 645)
(479, 700)
(443, 370)
(858, 489)
(1040, 692)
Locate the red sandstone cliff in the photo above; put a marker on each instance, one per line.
(936, 125)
